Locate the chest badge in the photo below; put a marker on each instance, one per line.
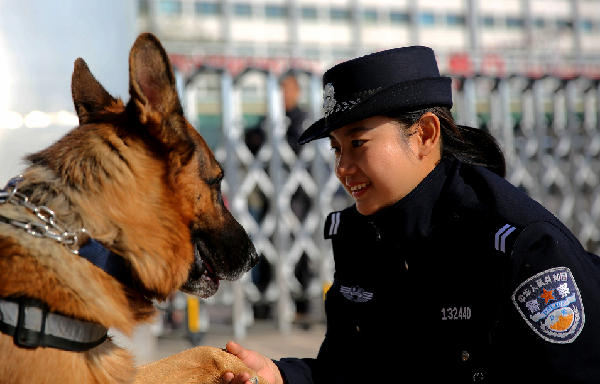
(550, 303)
(356, 294)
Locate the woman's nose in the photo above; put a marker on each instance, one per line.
(344, 165)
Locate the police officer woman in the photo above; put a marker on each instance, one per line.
(444, 271)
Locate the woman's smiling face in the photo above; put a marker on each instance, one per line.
(378, 164)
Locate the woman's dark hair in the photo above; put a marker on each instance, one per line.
(469, 145)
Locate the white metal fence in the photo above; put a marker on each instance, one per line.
(547, 127)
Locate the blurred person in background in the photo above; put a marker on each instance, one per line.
(296, 116)
(300, 202)
(255, 138)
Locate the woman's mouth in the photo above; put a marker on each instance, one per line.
(357, 190)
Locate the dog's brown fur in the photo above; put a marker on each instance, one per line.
(143, 182)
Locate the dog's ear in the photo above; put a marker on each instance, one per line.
(152, 88)
(89, 96)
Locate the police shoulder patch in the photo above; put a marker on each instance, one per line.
(550, 304)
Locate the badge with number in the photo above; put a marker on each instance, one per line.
(551, 305)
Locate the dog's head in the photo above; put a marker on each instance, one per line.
(154, 179)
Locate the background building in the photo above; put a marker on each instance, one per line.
(498, 36)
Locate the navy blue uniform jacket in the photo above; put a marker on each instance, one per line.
(466, 279)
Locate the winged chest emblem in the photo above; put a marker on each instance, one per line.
(356, 294)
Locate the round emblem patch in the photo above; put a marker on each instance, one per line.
(550, 303)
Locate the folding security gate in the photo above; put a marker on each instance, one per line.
(548, 128)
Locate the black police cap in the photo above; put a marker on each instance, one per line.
(391, 81)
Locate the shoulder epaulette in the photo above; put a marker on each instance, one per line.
(332, 224)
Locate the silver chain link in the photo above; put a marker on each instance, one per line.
(48, 226)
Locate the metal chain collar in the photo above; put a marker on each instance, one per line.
(48, 226)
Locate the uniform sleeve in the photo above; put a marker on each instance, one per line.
(553, 321)
(296, 371)
(307, 371)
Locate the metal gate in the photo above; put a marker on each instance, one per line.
(549, 131)
(547, 127)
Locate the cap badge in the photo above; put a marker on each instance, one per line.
(331, 105)
(328, 99)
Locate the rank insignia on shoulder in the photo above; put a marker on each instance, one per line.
(550, 303)
(332, 224)
(501, 235)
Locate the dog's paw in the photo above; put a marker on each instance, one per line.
(197, 365)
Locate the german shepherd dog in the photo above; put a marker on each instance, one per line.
(124, 209)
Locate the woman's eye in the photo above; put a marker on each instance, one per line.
(358, 143)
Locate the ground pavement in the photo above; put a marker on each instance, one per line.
(262, 336)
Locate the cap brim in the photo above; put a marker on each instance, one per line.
(407, 96)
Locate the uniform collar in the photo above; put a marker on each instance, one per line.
(412, 216)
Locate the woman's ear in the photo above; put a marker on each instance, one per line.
(429, 132)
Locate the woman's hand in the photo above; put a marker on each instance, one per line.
(254, 360)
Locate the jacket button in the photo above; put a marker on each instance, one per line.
(464, 355)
